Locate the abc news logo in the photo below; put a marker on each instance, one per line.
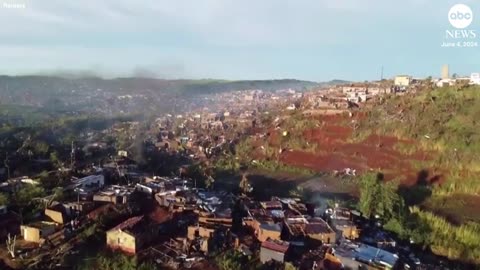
(460, 16)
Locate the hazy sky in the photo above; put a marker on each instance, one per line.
(233, 39)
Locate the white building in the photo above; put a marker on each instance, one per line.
(357, 97)
(445, 82)
(402, 80)
(475, 78)
(291, 107)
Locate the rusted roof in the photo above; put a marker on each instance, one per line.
(271, 204)
(317, 226)
(128, 224)
(276, 245)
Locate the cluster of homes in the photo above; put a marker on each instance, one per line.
(186, 225)
(338, 99)
(282, 229)
(59, 219)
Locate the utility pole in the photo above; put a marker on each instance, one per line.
(72, 157)
(5, 162)
(381, 74)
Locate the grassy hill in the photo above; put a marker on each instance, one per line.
(443, 121)
(434, 133)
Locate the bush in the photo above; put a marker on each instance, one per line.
(455, 242)
(230, 260)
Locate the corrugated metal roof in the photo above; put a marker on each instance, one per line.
(128, 224)
(279, 246)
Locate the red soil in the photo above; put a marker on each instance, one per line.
(375, 152)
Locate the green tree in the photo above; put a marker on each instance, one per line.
(230, 260)
(390, 204)
(27, 193)
(58, 194)
(55, 159)
(4, 200)
(377, 198)
(24, 199)
(147, 266)
(40, 147)
(369, 191)
(116, 262)
(289, 266)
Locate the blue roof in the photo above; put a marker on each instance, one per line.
(372, 254)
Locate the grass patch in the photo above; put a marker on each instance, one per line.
(274, 166)
(446, 239)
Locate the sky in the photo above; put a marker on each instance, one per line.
(316, 40)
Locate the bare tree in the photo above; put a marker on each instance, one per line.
(11, 245)
(244, 185)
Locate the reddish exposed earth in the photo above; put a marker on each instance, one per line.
(336, 153)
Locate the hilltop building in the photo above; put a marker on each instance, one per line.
(445, 72)
(475, 78)
(402, 80)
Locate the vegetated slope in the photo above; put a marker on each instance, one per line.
(431, 138)
(431, 135)
(335, 143)
(337, 151)
(443, 121)
(441, 125)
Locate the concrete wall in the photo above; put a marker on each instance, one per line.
(56, 216)
(202, 232)
(267, 255)
(30, 234)
(118, 239)
(263, 235)
(402, 81)
(34, 234)
(115, 199)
